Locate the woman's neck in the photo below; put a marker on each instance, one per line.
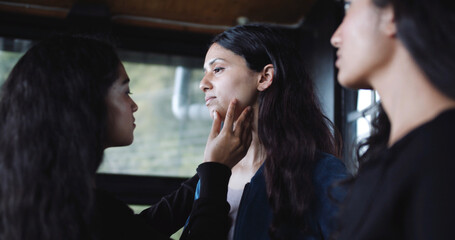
(254, 158)
(408, 97)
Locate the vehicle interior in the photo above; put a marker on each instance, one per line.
(162, 44)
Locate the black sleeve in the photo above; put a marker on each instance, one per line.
(209, 218)
(112, 219)
(171, 212)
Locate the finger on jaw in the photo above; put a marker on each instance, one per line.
(247, 134)
(216, 125)
(243, 120)
(229, 119)
(248, 137)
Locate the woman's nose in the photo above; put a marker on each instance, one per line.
(205, 85)
(134, 106)
(335, 40)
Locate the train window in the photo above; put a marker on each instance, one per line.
(366, 103)
(172, 123)
(359, 120)
(11, 49)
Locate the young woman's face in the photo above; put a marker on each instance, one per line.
(227, 76)
(362, 47)
(120, 109)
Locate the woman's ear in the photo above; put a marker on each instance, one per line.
(388, 23)
(266, 77)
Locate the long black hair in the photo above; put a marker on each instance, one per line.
(291, 125)
(426, 30)
(52, 123)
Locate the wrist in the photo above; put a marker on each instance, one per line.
(214, 179)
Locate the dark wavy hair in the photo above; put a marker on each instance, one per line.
(52, 123)
(291, 125)
(426, 30)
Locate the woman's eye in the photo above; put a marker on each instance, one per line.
(218, 69)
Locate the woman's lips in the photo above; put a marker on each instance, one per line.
(208, 100)
(337, 60)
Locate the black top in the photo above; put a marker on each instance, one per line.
(408, 192)
(114, 220)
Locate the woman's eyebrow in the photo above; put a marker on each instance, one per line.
(211, 62)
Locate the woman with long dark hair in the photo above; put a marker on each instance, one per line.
(403, 49)
(65, 101)
(279, 189)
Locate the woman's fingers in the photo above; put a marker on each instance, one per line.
(229, 119)
(216, 125)
(242, 121)
(246, 134)
(228, 146)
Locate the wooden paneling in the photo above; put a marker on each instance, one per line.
(176, 14)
